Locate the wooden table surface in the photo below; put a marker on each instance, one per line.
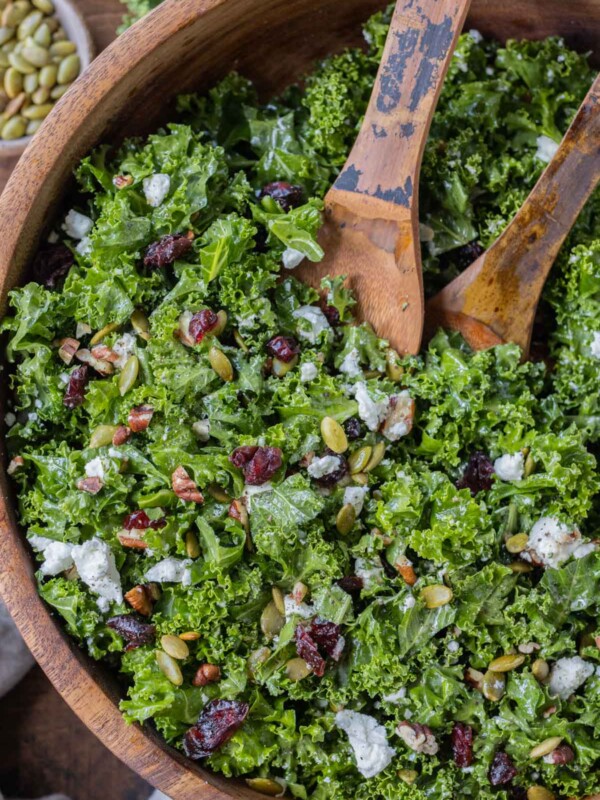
(44, 748)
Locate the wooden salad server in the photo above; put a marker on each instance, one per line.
(495, 299)
(371, 226)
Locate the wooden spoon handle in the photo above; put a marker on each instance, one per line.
(415, 60)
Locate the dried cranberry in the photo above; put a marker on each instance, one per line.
(332, 314)
(333, 477)
(286, 194)
(462, 744)
(351, 584)
(75, 394)
(134, 630)
(319, 635)
(285, 348)
(462, 257)
(139, 520)
(217, 723)
(167, 250)
(201, 323)
(478, 473)
(353, 428)
(51, 264)
(502, 770)
(258, 464)
(307, 649)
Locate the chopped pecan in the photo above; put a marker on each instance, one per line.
(299, 592)
(127, 540)
(121, 435)
(121, 181)
(103, 368)
(562, 755)
(140, 599)
(206, 673)
(474, 678)
(547, 712)
(140, 417)
(102, 352)
(418, 737)
(184, 487)
(90, 485)
(67, 349)
(239, 512)
(406, 570)
(399, 419)
(15, 464)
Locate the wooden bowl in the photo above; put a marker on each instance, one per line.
(183, 45)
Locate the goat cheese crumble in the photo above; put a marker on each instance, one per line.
(510, 467)
(317, 323)
(156, 188)
(96, 566)
(567, 675)
(369, 741)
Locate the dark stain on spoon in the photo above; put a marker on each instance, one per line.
(435, 43)
(392, 75)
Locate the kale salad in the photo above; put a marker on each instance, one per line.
(333, 571)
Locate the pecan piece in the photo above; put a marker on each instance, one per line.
(206, 673)
(406, 570)
(140, 599)
(134, 542)
(562, 755)
(184, 487)
(140, 417)
(67, 349)
(90, 485)
(121, 181)
(399, 419)
(121, 435)
(239, 512)
(418, 737)
(15, 464)
(102, 352)
(103, 368)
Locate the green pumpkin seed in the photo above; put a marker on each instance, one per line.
(493, 686)
(256, 658)
(271, 620)
(436, 595)
(376, 457)
(359, 459)
(36, 55)
(29, 25)
(62, 48)
(33, 126)
(345, 519)
(69, 68)
(280, 368)
(43, 36)
(4, 62)
(140, 324)
(265, 786)
(520, 567)
(174, 647)
(334, 435)
(14, 129)
(296, 669)
(361, 478)
(529, 466)
(543, 748)
(408, 775)
(40, 96)
(393, 369)
(169, 667)
(278, 599)
(129, 374)
(220, 495)
(20, 64)
(220, 363)
(31, 82)
(102, 436)
(507, 663)
(14, 14)
(38, 112)
(14, 106)
(540, 669)
(48, 76)
(44, 5)
(539, 793)
(221, 324)
(59, 91)
(103, 332)
(192, 547)
(6, 34)
(517, 543)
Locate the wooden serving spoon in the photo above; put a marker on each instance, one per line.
(495, 299)
(371, 227)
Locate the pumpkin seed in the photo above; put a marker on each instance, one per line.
(281, 368)
(256, 658)
(29, 25)
(545, 747)
(31, 82)
(539, 793)
(221, 323)
(14, 14)
(334, 435)
(103, 332)
(507, 663)
(169, 667)
(408, 775)
(62, 48)
(493, 686)
(20, 64)
(265, 786)
(140, 324)
(436, 595)
(345, 519)
(48, 76)
(43, 35)
(271, 620)
(189, 636)
(174, 647)
(69, 68)
(296, 669)
(33, 126)
(14, 128)
(221, 364)
(361, 478)
(376, 457)
(358, 460)
(4, 62)
(38, 112)
(129, 374)
(44, 5)
(540, 669)
(278, 599)
(529, 465)
(192, 547)
(36, 55)
(520, 567)
(220, 495)
(240, 342)
(57, 92)
(474, 678)
(14, 106)
(13, 82)
(102, 436)
(6, 34)
(517, 543)
(393, 369)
